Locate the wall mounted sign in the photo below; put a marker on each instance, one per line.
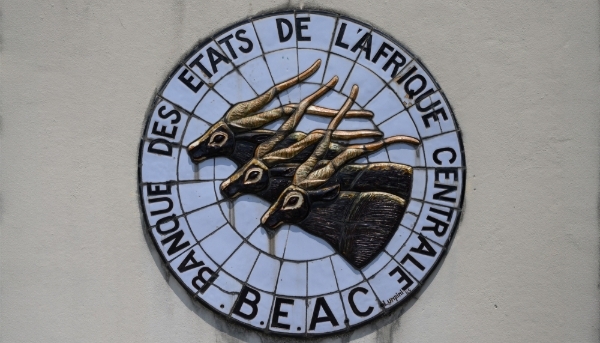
(301, 173)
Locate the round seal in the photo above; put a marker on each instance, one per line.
(301, 173)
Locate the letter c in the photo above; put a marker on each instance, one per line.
(353, 305)
(441, 150)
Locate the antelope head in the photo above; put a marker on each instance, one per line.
(253, 178)
(294, 204)
(219, 140)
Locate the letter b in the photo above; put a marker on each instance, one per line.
(243, 299)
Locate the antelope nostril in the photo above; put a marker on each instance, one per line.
(224, 185)
(229, 189)
(270, 222)
(196, 154)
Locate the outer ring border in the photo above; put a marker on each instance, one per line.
(181, 63)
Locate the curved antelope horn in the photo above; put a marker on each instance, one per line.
(246, 108)
(305, 168)
(354, 134)
(328, 112)
(400, 139)
(312, 138)
(293, 121)
(261, 119)
(320, 176)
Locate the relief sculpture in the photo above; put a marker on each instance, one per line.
(301, 173)
(309, 178)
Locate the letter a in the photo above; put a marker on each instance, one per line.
(329, 317)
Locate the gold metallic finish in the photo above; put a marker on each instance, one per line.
(308, 72)
(279, 203)
(327, 112)
(261, 119)
(246, 108)
(320, 176)
(293, 121)
(305, 168)
(206, 135)
(401, 139)
(242, 117)
(354, 134)
(239, 173)
(265, 157)
(280, 155)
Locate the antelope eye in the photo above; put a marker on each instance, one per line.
(293, 201)
(218, 139)
(253, 175)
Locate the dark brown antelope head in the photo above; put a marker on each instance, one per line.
(220, 139)
(241, 117)
(295, 203)
(304, 195)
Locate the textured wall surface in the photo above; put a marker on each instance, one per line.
(76, 81)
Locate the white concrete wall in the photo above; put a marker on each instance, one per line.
(76, 81)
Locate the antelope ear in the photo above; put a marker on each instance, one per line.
(284, 170)
(324, 194)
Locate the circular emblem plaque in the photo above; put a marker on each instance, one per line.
(301, 173)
